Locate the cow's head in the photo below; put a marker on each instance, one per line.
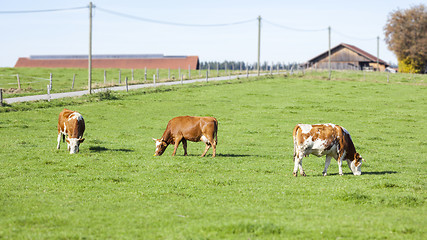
(161, 146)
(73, 144)
(356, 164)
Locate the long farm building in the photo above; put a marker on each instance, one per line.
(130, 61)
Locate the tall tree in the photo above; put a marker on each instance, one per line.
(406, 35)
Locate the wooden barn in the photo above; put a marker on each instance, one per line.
(346, 56)
(129, 61)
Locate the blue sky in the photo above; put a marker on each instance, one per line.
(66, 32)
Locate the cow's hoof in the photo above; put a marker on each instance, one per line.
(324, 174)
(303, 174)
(295, 174)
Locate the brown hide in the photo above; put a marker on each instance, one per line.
(183, 128)
(73, 127)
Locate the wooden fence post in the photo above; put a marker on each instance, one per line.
(132, 74)
(50, 81)
(19, 82)
(145, 74)
(126, 81)
(207, 76)
(217, 69)
(48, 93)
(74, 79)
(120, 76)
(169, 73)
(247, 70)
(1, 97)
(154, 79)
(157, 72)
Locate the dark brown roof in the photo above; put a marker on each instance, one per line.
(123, 63)
(354, 49)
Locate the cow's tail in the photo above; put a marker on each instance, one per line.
(216, 132)
(294, 135)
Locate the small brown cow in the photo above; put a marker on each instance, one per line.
(72, 125)
(183, 128)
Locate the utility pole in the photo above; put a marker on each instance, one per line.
(378, 53)
(259, 42)
(329, 52)
(90, 50)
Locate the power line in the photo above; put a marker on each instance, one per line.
(294, 29)
(41, 11)
(172, 23)
(355, 38)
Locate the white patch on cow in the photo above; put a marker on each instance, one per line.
(75, 115)
(305, 128)
(356, 170)
(65, 129)
(204, 139)
(330, 124)
(316, 147)
(158, 143)
(73, 146)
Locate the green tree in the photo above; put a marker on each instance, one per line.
(406, 35)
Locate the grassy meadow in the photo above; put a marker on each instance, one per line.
(35, 80)
(116, 189)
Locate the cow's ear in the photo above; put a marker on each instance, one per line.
(81, 140)
(155, 139)
(164, 143)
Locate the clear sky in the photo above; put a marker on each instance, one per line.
(66, 32)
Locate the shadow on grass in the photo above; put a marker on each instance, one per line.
(379, 173)
(363, 173)
(221, 155)
(233, 155)
(104, 149)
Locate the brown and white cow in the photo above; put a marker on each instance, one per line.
(183, 128)
(72, 125)
(325, 139)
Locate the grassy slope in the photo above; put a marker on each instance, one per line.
(115, 188)
(35, 80)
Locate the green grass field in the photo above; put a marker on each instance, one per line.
(115, 189)
(35, 80)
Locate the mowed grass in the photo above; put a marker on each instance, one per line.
(115, 189)
(34, 81)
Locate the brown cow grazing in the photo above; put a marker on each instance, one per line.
(325, 139)
(71, 124)
(195, 129)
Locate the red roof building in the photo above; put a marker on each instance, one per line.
(150, 61)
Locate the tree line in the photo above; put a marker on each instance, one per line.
(237, 65)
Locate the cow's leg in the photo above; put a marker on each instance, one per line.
(177, 141)
(59, 140)
(206, 149)
(340, 165)
(211, 143)
(184, 145)
(327, 162)
(214, 148)
(298, 164)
